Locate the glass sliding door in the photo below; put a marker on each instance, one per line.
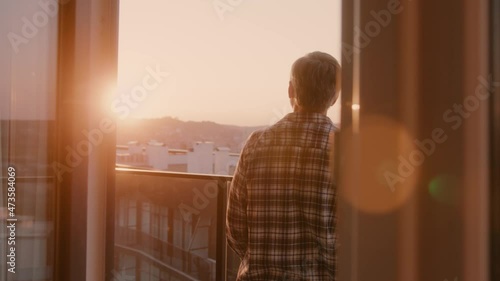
(28, 73)
(57, 64)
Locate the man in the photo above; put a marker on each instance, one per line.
(281, 209)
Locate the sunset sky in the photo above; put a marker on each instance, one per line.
(229, 66)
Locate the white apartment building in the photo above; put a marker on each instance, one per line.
(203, 158)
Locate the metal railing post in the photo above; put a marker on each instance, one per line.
(221, 265)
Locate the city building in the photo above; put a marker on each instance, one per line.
(203, 158)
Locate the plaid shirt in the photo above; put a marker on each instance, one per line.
(281, 209)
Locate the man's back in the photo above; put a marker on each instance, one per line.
(281, 217)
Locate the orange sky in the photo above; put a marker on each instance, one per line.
(230, 66)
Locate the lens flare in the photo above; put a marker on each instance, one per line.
(373, 178)
(444, 189)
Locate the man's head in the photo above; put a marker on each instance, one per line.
(314, 82)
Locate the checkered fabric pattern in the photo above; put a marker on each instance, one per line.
(281, 209)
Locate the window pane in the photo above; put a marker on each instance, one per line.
(28, 60)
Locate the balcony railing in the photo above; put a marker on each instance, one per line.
(171, 226)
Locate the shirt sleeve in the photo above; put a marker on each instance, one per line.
(236, 219)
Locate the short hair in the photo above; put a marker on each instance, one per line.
(316, 80)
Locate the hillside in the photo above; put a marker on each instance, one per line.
(181, 134)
